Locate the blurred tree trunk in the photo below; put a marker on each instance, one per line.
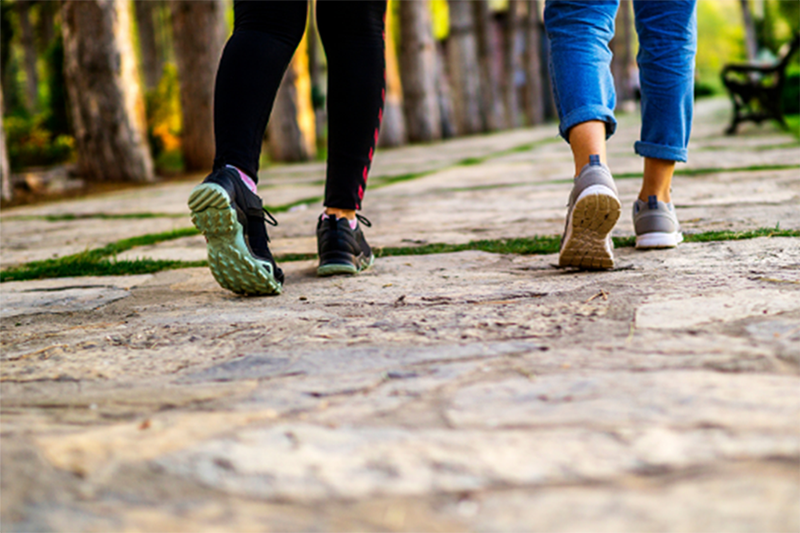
(291, 126)
(622, 48)
(28, 43)
(444, 94)
(418, 72)
(45, 26)
(750, 36)
(492, 107)
(104, 93)
(315, 66)
(199, 30)
(393, 125)
(534, 87)
(511, 64)
(152, 55)
(6, 191)
(463, 68)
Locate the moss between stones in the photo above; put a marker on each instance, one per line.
(100, 261)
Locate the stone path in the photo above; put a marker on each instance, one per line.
(463, 391)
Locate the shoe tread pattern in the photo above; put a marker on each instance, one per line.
(229, 259)
(593, 218)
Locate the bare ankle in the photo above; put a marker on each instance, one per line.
(349, 214)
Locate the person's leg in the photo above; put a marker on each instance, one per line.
(225, 207)
(580, 67)
(265, 36)
(352, 34)
(579, 33)
(667, 47)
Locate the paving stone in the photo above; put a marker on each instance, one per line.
(465, 391)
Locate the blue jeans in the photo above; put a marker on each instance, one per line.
(579, 33)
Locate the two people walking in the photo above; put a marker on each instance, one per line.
(228, 211)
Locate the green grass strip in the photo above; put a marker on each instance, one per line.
(523, 246)
(714, 236)
(97, 263)
(78, 267)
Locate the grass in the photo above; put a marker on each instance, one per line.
(101, 261)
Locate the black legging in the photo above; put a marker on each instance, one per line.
(265, 36)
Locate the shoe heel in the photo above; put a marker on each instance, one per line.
(594, 216)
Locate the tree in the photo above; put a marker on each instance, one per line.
(393, 125)
(492, 108)
(463, 68)
(6, 192)
(534, 95)
(199, 31)
(622, 47)
(418, 72)
(511, 63)
(751, 40)
(28, 43)
(291, 128)
(104, 93)
(149, 45)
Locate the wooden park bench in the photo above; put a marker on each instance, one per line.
(756, 88)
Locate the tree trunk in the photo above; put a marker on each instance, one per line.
(45, 26)
(463, 68)
(511, 64)
(534, 88)
(750, 39)
(291, 126)
(199, 31)
(152, 57)
(104, 93)
(622, 47)
(315, 68)
(443, 94)
(6, 192)
(29, 47)
(418, 72)
(393, 124)
(492, 108)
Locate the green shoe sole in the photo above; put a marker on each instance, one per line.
(231, 263)
(342, 268)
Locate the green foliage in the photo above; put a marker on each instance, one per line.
(163, 112)
(6, 34)
(790, 11)
(30, 144)
(57, 120)
(790, 99)
(793, 121)
(703, 89)
(720, 40)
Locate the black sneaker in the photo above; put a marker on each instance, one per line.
(341, 249)
(233, 221)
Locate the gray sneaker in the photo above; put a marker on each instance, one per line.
(656, 224)
(593, 210)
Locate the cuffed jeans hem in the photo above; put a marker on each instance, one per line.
(586, 114)
(660, 151)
